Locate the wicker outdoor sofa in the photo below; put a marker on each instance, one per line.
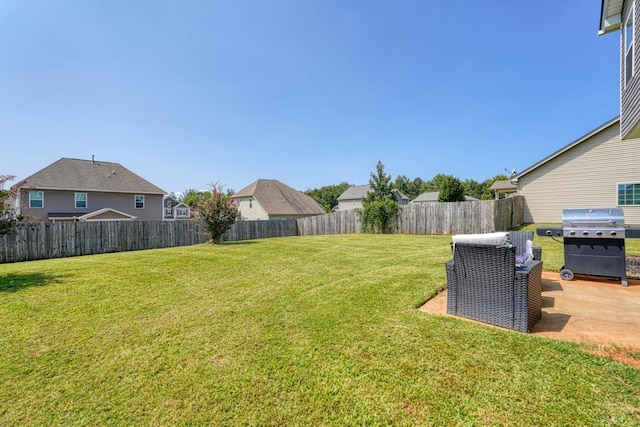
(485, 284)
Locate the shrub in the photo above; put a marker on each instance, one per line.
(218, 213)
(379, 216)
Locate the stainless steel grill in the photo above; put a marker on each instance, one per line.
(593, 242)
(596, 223)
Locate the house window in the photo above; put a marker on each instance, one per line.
(168, 212)
(139, 201)
(250, 203)
(629, 194)
(36, 199)
(168, 203)
(628, 46)
(81, 200)
(182, 212)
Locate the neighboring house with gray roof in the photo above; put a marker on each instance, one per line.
(432, 196)
(175, 210)
(400, 198)
(505, 187)
(352, 197)
(271, 199)
(88, 190)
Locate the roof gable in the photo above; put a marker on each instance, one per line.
(355, 192)
(89, 175)
(277, 198)
(503, 185)
(104, 214)
(431, 196)
(398, 194)
(569, 146)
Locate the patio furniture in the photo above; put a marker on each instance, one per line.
(519, 240)
(484, 284)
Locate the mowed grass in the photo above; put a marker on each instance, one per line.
(289, 331)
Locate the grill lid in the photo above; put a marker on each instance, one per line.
(598, 217)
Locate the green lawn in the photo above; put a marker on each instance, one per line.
(290, 331)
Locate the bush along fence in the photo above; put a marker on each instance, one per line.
(42, 240)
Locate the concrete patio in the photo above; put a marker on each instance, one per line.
(591, 310)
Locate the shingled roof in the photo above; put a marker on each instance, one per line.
(279, 199)
(89, 175)
(504, 185)
(355, 192)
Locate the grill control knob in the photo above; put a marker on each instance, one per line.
(598, 233)
(614, 233)
(585, 233)
(572, 233)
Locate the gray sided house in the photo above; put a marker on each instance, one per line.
(88, 190)
(271, 199)
(352, 197)
(598, 170)
(624, 16)
(172, 209)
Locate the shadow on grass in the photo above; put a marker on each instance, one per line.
(241, 242)
(18, 282)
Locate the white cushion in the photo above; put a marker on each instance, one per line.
(529, 252)
(498, 238)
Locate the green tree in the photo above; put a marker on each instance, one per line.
(435, 183)
(8, 215)
(328, 195)
(379, 207)
(194, 198)
(473, 188)
(451, 190)
(218, 213)
(380, 185)
(408, 187)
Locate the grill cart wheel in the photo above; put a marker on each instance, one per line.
(566, 274)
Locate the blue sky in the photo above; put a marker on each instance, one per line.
(309, 92)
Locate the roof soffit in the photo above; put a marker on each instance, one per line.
(610, 16)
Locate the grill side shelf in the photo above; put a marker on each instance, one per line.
(553, 231)
(632, 232)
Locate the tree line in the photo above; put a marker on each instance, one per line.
(380, 206)
(450, 187)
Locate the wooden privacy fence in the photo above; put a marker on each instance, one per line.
(250, 230)
(428, 218)
(471, 217)
(42, 240)
(341, 222)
